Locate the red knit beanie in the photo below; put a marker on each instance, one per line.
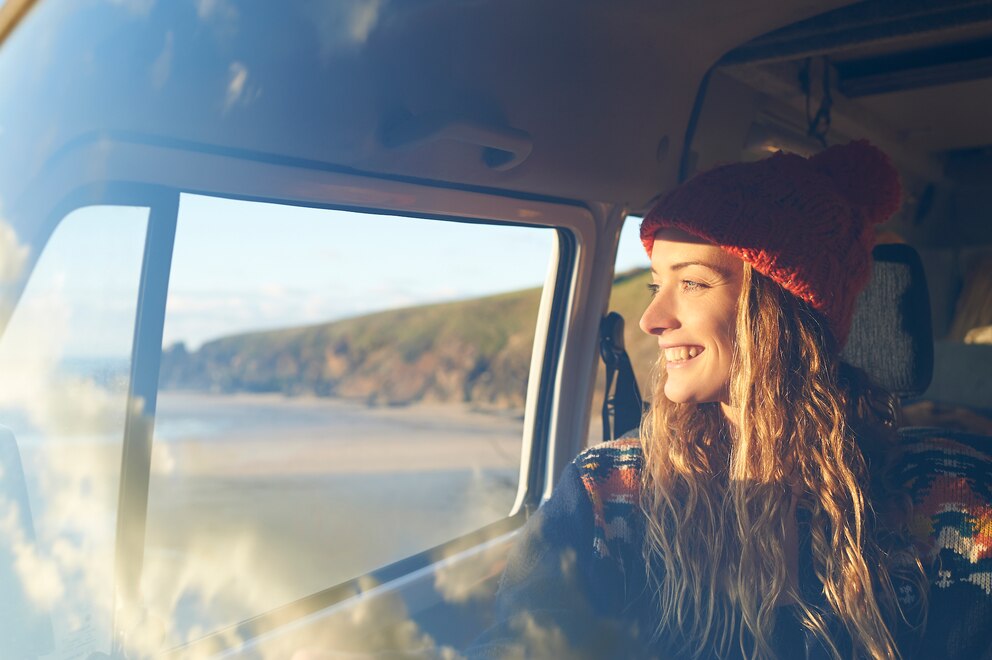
(805, 223)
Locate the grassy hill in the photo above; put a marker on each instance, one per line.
(472, 351)
(629, 297)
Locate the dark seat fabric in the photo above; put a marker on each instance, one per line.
(891, 335)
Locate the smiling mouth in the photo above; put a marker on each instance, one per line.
(681, 354)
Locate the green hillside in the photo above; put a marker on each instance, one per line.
(474, 351)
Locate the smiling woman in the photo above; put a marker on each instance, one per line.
(695, 292)
(758, 513)
(300, 305)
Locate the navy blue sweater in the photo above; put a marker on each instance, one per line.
(575, 585)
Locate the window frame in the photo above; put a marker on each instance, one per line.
(147, 172)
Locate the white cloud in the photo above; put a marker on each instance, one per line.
(194, 317)
(273, 289)
(138, 7)
(13, 255)
(207, 576)
(464, 580)
(364, 16)
(237, 77)
(32, 347)
(57, 403)
(240, 90)
(345, 25)
(216, 10)
(162, 66)
(40, 576)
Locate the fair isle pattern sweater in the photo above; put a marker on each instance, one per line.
(575, 584)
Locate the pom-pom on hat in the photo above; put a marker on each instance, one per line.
(806, 223)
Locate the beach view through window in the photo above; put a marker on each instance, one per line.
(338, 391)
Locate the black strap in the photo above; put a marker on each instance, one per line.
(623, 408)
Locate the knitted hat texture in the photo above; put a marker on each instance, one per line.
(806, 223)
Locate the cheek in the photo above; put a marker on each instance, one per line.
(725, 336)
(728, 337)
(722, 325)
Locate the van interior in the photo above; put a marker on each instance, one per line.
(300, 303)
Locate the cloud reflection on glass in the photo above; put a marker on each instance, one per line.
(65, 417)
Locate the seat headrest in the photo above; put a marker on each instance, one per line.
(891, 335)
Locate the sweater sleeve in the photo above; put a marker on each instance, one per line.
(557, 598)
(950, 479)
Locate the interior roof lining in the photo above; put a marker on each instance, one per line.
(858, 25)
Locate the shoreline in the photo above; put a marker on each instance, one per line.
(307, 436)
(315, 401)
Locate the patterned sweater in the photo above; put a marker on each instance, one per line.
(575, 585)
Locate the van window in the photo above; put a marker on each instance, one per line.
(960, 281)
(338, 391)
(65, 357)
(628, 297)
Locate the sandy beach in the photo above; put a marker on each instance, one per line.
(304, 493)
(258, 500)
(257, 434)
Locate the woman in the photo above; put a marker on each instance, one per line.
(759, 512)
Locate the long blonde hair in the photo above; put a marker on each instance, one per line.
(718, 494)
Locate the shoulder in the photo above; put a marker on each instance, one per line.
(587, 517)
(945, 470)
(611, 469)
(948, 475)
(610, 475)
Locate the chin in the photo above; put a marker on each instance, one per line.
(676, 395)
(683, 395)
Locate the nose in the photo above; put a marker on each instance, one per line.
(659, 315)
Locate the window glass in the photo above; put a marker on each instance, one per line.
(960, 394)
(628, 297)
(338, 391)
(64, 361)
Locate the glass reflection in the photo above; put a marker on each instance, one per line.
(63, 398)
(338, 391)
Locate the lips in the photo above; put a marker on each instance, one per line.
(675, 355)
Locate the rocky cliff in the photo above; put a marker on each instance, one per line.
(473, 351)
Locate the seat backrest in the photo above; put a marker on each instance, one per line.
(891, 335)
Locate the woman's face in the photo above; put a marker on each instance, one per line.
(695, 288)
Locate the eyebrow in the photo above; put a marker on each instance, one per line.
(720, 270)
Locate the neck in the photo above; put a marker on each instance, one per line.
(730, 413)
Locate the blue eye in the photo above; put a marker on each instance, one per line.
(653, 288)
(690, 285)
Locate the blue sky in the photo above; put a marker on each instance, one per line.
(245, 265)
(630, 252)
(242, 266)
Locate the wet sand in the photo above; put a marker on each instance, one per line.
(304, 493)
(256, 434)
(258, 500)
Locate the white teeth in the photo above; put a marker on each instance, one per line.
(681, 353)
